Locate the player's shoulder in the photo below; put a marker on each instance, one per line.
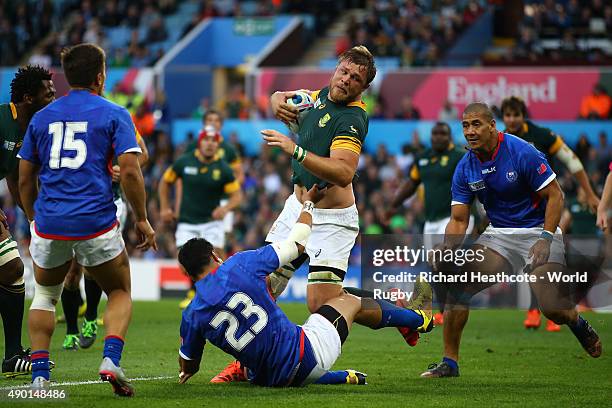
(538, 130)
(222, 164)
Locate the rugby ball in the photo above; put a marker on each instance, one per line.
(304, 103)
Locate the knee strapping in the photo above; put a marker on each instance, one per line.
(336, 319)
(46, 297)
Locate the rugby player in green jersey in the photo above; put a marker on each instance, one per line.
(31, 90)
(434, 169)
(205, 179)
(514, 112)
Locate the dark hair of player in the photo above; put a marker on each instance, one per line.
(360, 55)
(28, 81)
(82, 64)
(479, 108)
(515, 104)
(212, 112)
(195, 255)
(444, 125)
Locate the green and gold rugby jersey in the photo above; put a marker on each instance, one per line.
(326, 127)
(204, 184)
(11, 138)
(543, 139)
(435, 170)
(225, 152)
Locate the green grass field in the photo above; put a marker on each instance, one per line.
(502, 364)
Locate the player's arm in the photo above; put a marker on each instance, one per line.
(338, 169)
(170, 177)
(566, 221)
(407, 189)
(28, 186)
(132, 184)
(605, 203)
(554, 207)
(573, 164)
(191, 350)
(454, 233)
(143, 157)
(236, 166)
(12, 182)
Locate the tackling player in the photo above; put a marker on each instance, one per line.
(433, 168)
(523, 201)
(31, 90)
(234, 311)
(65, 154)
(514, 112)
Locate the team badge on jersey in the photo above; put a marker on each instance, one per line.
(542, 169)
(323, 121)
(216, 174)
(444, 161)
(511, 176)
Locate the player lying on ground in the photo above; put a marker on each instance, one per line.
(523, 201)
(233, 309)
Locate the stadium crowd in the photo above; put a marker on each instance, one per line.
(564, 30)
(416, 32)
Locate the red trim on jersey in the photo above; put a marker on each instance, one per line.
(500, 139)
(301, 344)
(65, 238)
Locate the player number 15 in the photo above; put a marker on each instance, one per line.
(63, 139)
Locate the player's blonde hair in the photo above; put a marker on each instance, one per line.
(360, 55)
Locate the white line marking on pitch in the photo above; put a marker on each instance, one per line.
(69, 383)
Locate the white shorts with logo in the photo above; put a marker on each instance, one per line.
(333, 232)
(433, 231)
(51, 253)
(326, 345)
(514, 244)
(212, 231)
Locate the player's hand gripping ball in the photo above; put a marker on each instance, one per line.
(303, 103)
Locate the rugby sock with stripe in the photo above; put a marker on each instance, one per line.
(40, 364)
(394, 316)
(93, 293)
(113, 347)
(11, 309)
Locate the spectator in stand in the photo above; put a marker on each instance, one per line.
(157, 31)
(448, 113)
(408, 110)
(236, 105)
(596, 105)
(144, 120)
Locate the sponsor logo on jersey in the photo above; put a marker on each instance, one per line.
(322, 105)
(192, 171)
(511, 176)
(490, 170)
(318, 253)
(323, 121)
(477, 185)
